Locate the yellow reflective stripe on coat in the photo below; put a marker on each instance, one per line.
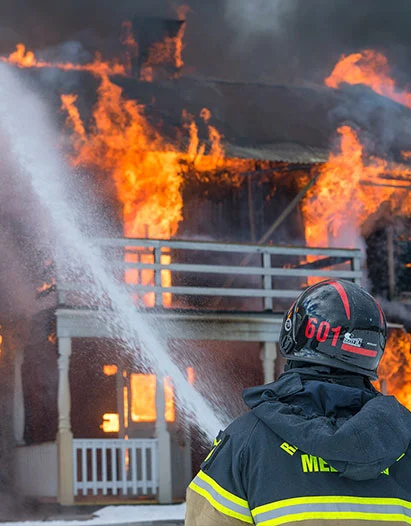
(333, 508)
(221, 499)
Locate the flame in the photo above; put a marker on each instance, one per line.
(369, 68)
(395, 366)
(143, 398)
(345, 195)
(110, 370)
(147, 169)
(191, 375)
(23, 58)
(52, 338)
(46, 286)
(111, 423)
(352, 185)
(167, 51)
(125, 405)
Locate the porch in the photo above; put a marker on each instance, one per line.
(197, 290)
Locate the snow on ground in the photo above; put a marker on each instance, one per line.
(117, 515)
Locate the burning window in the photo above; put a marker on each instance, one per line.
(143, 398)
(110, 370)
(111, 423)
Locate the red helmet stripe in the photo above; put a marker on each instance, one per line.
(358, 350)
(343, 295)
(381, 314)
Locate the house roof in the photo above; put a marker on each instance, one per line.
(287, 123)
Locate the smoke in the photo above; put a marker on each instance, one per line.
(301, 41)
(280, 41)
(397, 312)
(259, 16)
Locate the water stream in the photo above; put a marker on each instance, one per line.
(25, 122)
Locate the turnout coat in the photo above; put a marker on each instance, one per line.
(315, 448)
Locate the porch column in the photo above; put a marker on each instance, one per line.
(164, 447)
(64, 433)
(268, 357)
(18, 399)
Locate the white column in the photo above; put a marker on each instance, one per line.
(164, 447)
(18, 399)
(64, 433)
(268, 357)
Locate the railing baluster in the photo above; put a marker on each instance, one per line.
(157, 277)
(124, 467)
(104, 467)
(144, 467)
(114, 468)
(133, 466)
(84, 468)
(75, 473)
(267, 281)
(94, 469)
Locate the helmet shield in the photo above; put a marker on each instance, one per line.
(336, 323)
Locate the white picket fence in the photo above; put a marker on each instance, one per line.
(112, 466)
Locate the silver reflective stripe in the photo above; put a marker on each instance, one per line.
(218, 497)
(337, 507)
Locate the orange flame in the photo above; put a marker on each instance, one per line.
(143, 398)
(147, 169)
(352, 185)
(395, 366)
(370, 69)
(52, 338)
(345, 195)
(167, 51)
(26, 59)
(46, 286)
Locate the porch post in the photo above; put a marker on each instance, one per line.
(164, 446)
(18, 399)
(64, 433)
(268, 357)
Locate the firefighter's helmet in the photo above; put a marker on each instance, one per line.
(335, 323)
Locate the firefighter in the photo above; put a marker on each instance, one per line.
(320, 445)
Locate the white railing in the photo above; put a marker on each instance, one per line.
(223, 271)
(112, 466)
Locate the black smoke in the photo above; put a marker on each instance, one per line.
(277, 41)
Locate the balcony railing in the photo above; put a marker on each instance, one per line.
(216, 276)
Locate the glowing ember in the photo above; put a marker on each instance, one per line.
(370, 69)
(52, 338)
(395, 367)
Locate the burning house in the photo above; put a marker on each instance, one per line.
(224, 200)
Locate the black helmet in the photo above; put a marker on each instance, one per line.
(335, 323)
